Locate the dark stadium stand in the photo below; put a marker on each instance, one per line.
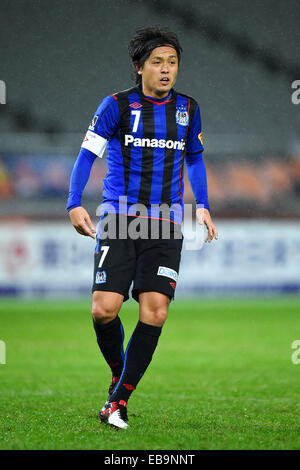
(237, 63)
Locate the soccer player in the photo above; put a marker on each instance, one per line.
(148, 131)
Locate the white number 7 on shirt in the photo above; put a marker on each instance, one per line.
(137, 115)
(105, 251)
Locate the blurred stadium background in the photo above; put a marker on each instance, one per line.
(59, 59)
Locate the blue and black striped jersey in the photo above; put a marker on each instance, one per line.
(147, 140)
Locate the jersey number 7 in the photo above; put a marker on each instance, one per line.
(103, 256)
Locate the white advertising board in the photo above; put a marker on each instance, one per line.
(254, 256)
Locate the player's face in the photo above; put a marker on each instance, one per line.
(159, 72)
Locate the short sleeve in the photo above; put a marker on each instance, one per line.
(103, 126)
(106, 119)
(195, 142)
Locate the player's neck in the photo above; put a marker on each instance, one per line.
(153, 94)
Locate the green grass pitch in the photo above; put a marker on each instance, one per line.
(222, 378)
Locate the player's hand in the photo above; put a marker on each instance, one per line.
(203, 217)
(81, 222)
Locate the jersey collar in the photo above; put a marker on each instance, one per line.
(164, 100)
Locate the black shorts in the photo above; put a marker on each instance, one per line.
(152, 264)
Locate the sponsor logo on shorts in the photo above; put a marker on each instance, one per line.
(100, 277)
(167, 272)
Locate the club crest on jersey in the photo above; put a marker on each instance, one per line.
(93, 123)
(100, 277)
(135, 105)
(182, 116)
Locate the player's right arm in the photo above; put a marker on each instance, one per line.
(101, 129)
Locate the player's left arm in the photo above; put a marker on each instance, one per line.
(197, 175)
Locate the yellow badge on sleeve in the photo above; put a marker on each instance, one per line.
(200, 138)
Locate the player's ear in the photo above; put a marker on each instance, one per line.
(138, 69)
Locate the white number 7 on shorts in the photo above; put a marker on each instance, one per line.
(105, 251)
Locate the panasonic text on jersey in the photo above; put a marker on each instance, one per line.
(160, 143)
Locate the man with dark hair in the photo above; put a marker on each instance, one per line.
(146, 40)
(148, 130)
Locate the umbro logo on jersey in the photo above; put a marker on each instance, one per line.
(182, 116)
(160, 143)
(136, 105)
